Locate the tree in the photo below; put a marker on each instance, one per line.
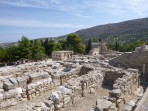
(25, 48)
(13, 54)
(38, 52)
(63, 44)
(116, 46)
(79, 48)
(74, 42)
(46, 43)
(88, 46)
(2, 54)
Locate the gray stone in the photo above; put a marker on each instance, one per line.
(49, 103)
(103, 105)
(10, 94)
(22, 81)
(127, 108)
(8, 85)
(13, 81)
(1, 90)
(131, 103)
(116, 93)
(38, 76)
(1, 97)
(44, 75)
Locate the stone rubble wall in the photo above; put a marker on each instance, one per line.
(18, 88)
(134, 60)
(73, 90)
(123, 90)
(13, 91)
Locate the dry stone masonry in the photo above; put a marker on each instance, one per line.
(55, 85)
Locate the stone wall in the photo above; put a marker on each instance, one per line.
(73, 90)
(122, 92)
(38, 80)
(134, 59)
(111, 76)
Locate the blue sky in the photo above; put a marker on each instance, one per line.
(50, 18)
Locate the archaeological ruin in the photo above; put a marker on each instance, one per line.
(109, 82)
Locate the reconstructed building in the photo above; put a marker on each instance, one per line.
(62, 55)
(99, 48)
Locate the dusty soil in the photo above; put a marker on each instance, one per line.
(85, 103)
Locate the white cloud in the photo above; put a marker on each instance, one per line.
(139, 7)
(26, 3)
(86, 8)
(55, 1)
(36, 24)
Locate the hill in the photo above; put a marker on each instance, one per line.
(127, 31)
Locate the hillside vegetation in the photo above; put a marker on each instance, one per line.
(128, 31)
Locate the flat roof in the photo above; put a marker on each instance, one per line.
(62, 51)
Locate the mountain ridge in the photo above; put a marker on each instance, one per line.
(126, 31)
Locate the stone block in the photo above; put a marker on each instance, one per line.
(13, 81)
(8, 85)
(22, 81)
(1, 97)
(3, 104)
(127, 108)
(1, 90)
(38, 76)
(103, 105)
(116, 93)
(10, 94)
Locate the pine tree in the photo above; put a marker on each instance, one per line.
(38, 51)
(88, 46)
(74, 42)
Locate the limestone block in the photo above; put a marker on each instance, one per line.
(10, 94)
(1, 97)
(92, 90)
(1, 90)
(58, 106)
(13, 81)
(65, 90)
(127, 108)
(45, 107)
(13, 101)
(22, 81)
(45, 75)
(55, 96)
(116, 86)
(131, 103)
(116, 93)
(103, 105)
(49, 103)
(3, 104)
(38, 76)
(8, 85)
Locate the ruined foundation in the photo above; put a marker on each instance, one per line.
(65, 83)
